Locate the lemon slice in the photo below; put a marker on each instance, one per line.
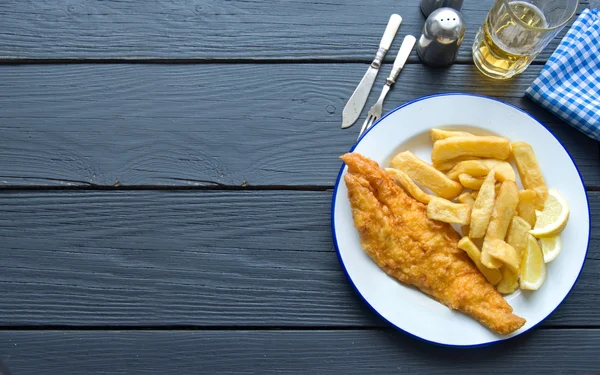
(553, 218)
(533, 268)
(551, 247)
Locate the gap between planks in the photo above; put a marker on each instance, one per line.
(209, 61)
(216, 187)
(238, 328)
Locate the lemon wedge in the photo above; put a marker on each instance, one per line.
(553, 219)
(551, 247)
(533, 268)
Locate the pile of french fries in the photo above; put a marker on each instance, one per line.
(474, 186)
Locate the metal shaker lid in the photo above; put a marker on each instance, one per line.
(443, 34)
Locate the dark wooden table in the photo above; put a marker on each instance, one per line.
(166, 171)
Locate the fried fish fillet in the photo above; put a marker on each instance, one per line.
(399, 237)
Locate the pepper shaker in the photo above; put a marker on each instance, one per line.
(443, 34)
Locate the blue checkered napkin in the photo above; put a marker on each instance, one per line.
(569, 84)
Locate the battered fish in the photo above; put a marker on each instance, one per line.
(396, 233)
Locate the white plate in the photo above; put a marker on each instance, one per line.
(407, 128)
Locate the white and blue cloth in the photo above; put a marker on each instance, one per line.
(569, 83)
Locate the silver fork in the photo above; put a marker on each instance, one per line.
(375, 112)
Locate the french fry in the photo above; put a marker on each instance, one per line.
(505, 253)
(477, 241)
(481, 168)
(526, 207)
(470, 182)
(443, 210)
(509, 282)
(502, 214)
(447, 165)
(408, 185)
(466, 198)
(474, 168)
(470, 248)
(486, 259)
(504, 171)
(438, 134)
(518, 233)
(483, 147)
(530, 172)
(505, 207)
(483, 207)
(426, 175)
(493, 276)
(474, 194)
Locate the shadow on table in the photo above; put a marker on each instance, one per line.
(420, 349)
(4, 369)
(472, 81)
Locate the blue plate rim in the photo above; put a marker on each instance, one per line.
(337, 250)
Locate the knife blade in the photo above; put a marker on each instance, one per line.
(357, 101)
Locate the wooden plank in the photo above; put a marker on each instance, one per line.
(207, 30)
(145, 124)
(289, 352)
(195, 258)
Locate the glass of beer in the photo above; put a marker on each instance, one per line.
(515, 32)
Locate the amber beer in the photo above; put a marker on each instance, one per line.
(515, 32)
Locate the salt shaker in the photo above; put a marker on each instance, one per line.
(428, 6)
(443, 33)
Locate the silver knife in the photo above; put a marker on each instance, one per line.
(358, 99)
(375, 112)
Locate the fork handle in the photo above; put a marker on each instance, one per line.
(405, 49)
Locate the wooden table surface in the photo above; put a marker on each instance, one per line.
(166, 171)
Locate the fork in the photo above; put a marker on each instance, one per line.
(375, 112)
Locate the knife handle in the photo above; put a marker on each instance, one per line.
(390, 31)
(405, 49)
(386, 40)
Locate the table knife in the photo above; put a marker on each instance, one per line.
(375, 112)
(358, 99)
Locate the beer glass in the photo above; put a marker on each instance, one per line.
(515, 32)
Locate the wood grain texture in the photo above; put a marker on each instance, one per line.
(189, 258)
(234, 124)
(289, 352)
(215, 29)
